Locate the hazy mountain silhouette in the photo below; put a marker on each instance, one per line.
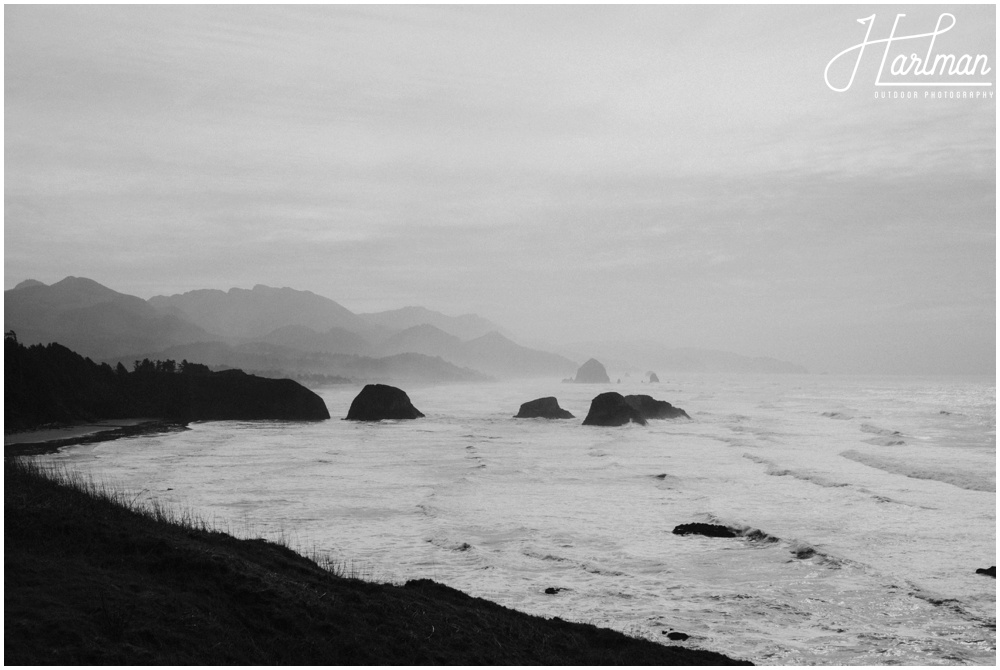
(464, 327)
(495, 354)
(92, 319)
(424, 339)
(245, 314)
(28, 283)
(305, 339)
(264, 329)
(299, 332)
(492, 353)
(269, 360)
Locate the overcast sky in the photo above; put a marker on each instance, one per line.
(680, 174)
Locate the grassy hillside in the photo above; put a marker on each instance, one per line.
(91, 578)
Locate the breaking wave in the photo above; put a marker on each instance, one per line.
(965, 479)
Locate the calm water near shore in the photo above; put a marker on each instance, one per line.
(878, 496)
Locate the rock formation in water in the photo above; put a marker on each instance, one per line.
(651, 408)
(653, 379)
(233, 395)
(611, 409)
(989, 572)
(706, 529)
(542, 408)
(592, 372)
(379, 401)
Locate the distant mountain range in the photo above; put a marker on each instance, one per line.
(92, 319)
(273, 331)
(287, 332)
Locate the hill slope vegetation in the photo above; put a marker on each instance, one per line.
(92, 579)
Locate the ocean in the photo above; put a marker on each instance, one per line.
(874, 498)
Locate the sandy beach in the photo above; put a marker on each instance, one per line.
(49, 439)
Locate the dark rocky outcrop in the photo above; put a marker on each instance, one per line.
(592, 372)
(989, 572)
(706, 529)
(52, 384)
(677, 637)
(651, 408)
(379, 401)
(234, 395)
(542, 408)
(611, 409)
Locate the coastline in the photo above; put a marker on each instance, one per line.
(50, 439)
(92, 577)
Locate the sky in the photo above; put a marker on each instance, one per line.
(681, 174)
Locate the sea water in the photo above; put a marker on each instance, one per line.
(874, 502)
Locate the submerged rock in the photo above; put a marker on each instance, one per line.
(989, 572)
(542, 408)
(378, 401)
(677, 637)
(706, 529)
(611, 409)
(651, 408)
(592, 372)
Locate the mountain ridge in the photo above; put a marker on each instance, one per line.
(103, 323)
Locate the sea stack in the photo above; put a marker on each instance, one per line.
(542, 408)
(611, 409)
(651, 408)
(592, 372)
(653, 379)
(378, 401)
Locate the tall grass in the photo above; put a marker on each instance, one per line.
(143, 504)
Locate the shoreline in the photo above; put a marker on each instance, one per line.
(94, 578)
(49, 440)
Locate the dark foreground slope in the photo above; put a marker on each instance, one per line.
(88, 580)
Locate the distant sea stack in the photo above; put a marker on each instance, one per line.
(378, 401)
(543, 408)
(611, 409)
(651, 408)
(592, 372)
(653, 379)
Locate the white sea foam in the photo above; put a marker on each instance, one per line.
(841, 560)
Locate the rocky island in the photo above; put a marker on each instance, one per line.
(542, 408)
(378, 402)
(592, 372)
